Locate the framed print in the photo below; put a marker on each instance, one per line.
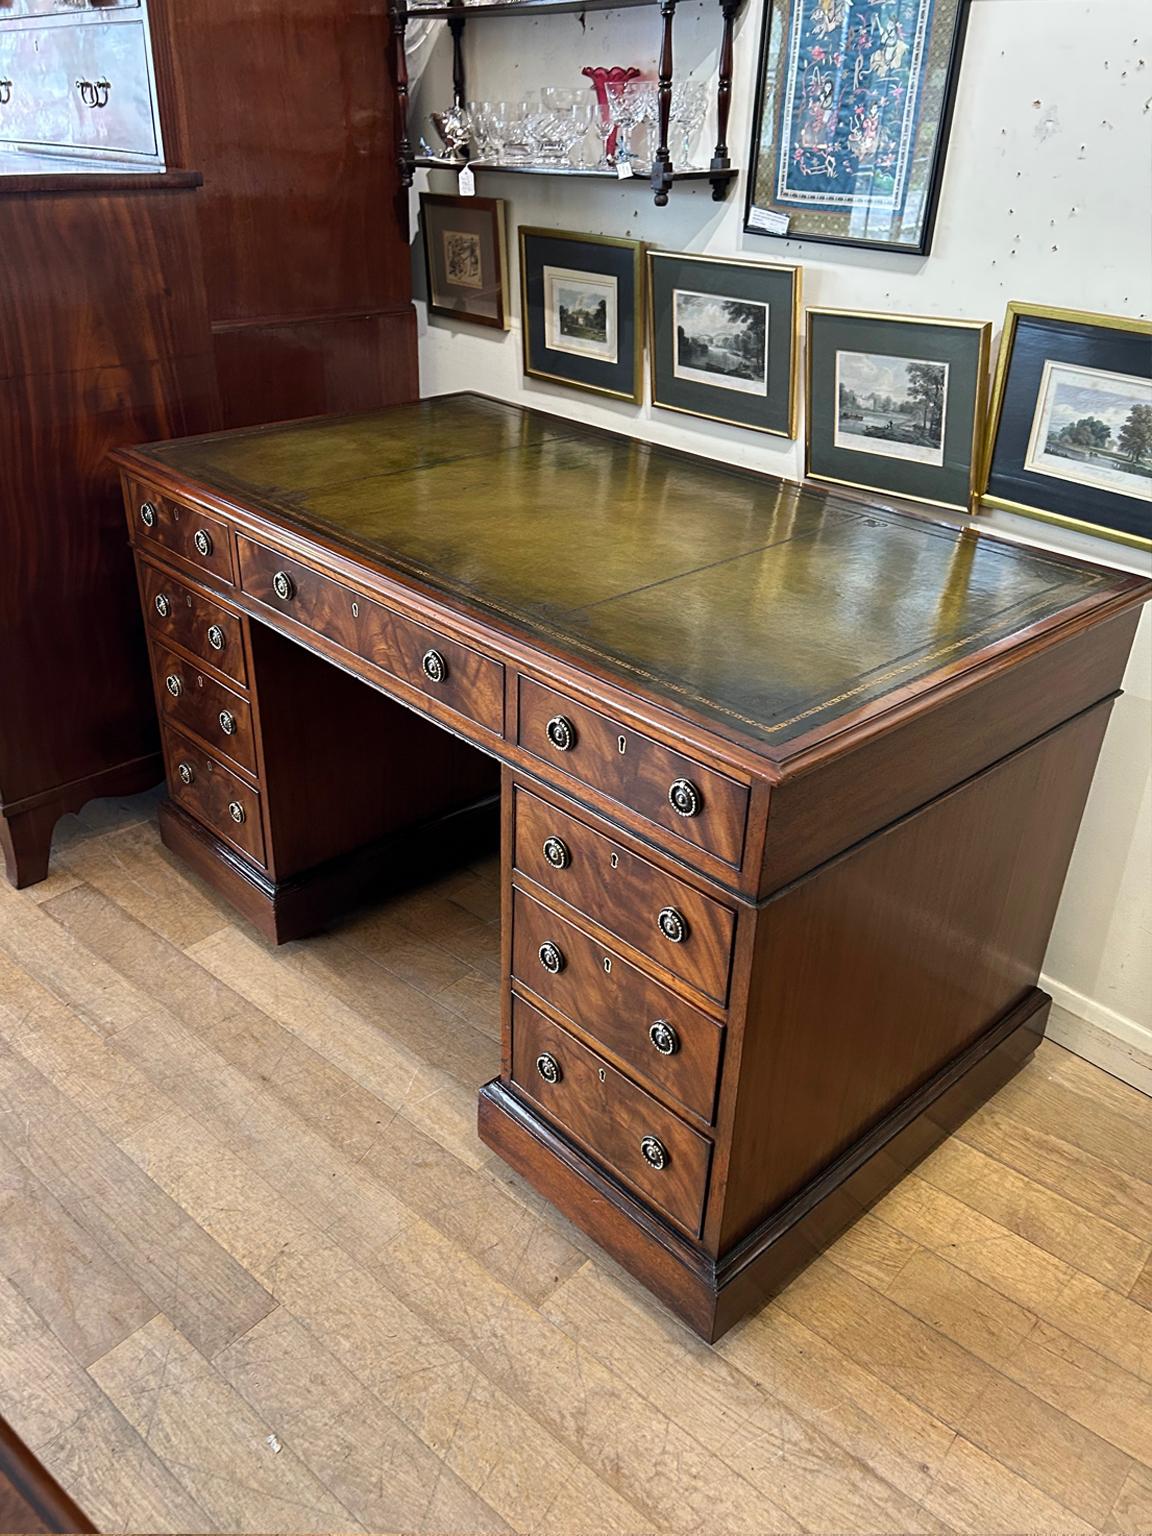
(723, 339)
(1070, 430)
(896, 403)
(581, 302)
(853, 107)
(466, 258)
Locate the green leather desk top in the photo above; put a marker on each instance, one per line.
(771, 608)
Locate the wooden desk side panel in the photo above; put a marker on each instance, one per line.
(817, 813)
(875, 971)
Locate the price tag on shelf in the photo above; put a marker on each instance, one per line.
(466, 184)
(624, 169)
(771, 223)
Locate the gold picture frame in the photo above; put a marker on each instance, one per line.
(916, 488)
(1052, 319)
(622, 379)
(791, 273)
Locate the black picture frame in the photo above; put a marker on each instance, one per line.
(867, 443)
(778, 218)
(1040, 349)
(767, 405)
(612, 271)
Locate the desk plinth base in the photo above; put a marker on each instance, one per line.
(710, 1295)
(306, 903)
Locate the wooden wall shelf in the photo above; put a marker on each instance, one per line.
(719, 172)
(591, 173)
(519, 8)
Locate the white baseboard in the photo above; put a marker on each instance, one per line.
(1110, 1040)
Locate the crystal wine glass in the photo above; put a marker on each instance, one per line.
(689, 105)
(626, 101)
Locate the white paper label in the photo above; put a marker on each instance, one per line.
(771, 223)
(467, 182)
(624, 169)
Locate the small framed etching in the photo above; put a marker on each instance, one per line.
(581, 302)
(896, 403)
(466, 258)
(1070, 429)
(723, 339)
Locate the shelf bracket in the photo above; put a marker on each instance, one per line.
(662, 160)
(405, 158)
(721, 161)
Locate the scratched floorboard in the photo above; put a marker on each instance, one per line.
(257, 1273)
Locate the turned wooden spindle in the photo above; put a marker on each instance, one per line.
(404, 156)
(662, 162)
(720, 158)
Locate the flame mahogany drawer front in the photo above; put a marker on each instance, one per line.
(446, 670)
(644, 1144)
(644, 1025)
(208, 791)
(705, 808)
(184, 532)
(186, 619)
(672, 923)
(191, 701)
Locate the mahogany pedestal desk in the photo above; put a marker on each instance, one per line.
(790, 784)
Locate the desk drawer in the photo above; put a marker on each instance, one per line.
(191, 701)
(300, 593)
(455, 675)
(185, 618)
(645, 1026)
(214, 796)
(646, 1145)
(672, 923)
(635, 771)
(187, 534)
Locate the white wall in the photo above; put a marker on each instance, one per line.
(1047, 197)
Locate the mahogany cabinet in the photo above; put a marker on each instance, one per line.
(135, 307)
(104, 341)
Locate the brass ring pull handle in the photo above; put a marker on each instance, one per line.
(216, 637)
(684, 798)
(655, 1153)
(186, 772)
(556, 852)
(561, 733)
(237, 812)
(435, 667)
(549, 1068)
(94, 94)
(203, 542)
(163, 605)
(5, 92)
(673, 924)
(227, 722)
(552, 958)
(283, 586)
(664, 1037)
(148, 514)
(173, 684)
